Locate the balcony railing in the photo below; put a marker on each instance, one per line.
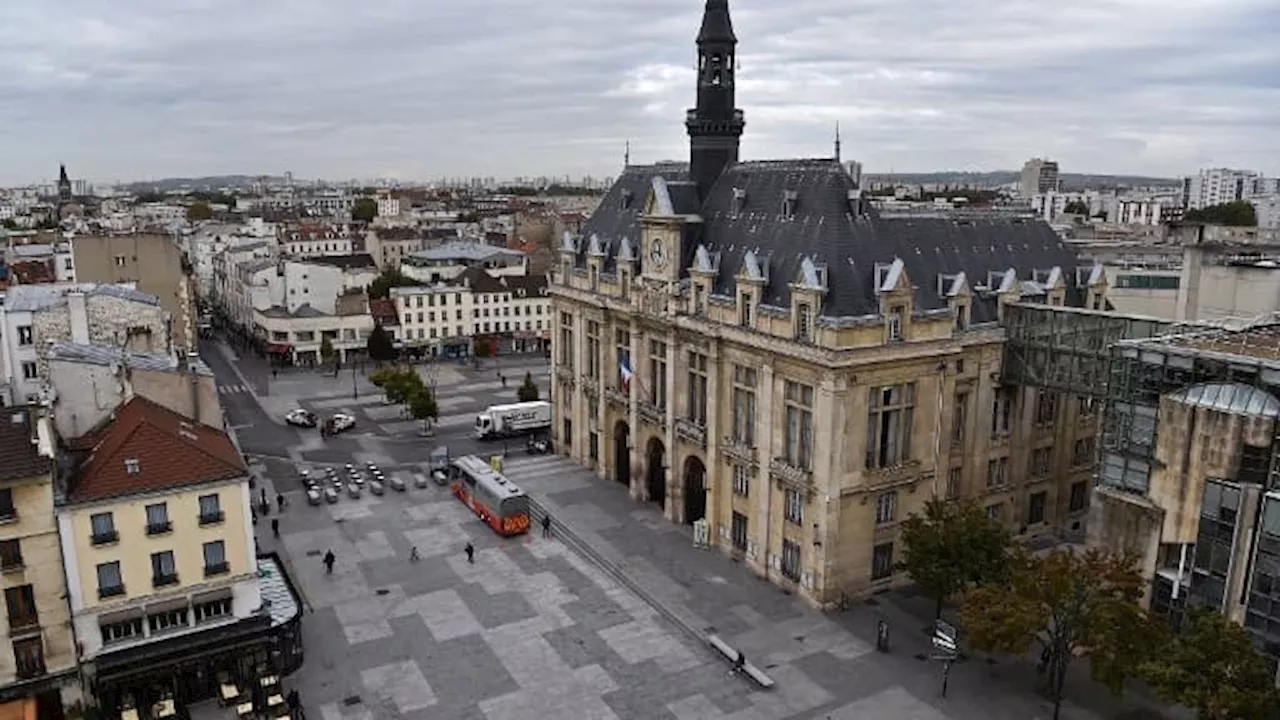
(216, 569)
(30, 665)
(104, 538)
(692, 431)
(110, 591)
(651, 413)
(163, 579)
(159, 528)
(212, 518)
(786, 473)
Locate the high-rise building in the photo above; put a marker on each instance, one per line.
(1215, 186)
(1039, 176)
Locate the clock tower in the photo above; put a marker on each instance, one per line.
(714, 125)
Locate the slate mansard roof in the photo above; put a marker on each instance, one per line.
(742, 222)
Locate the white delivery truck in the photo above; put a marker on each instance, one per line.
(499, 421)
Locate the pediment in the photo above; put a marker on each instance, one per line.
(892, 277)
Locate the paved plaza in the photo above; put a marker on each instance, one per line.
(535, 630)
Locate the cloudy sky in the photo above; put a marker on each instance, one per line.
(417, 89)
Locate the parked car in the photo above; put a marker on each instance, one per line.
(301, 418)
(340, 422)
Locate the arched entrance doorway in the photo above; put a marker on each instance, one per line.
(655, 462)
(695, 490)
(622, 453)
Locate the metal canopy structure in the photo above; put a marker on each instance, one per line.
(1068, 349)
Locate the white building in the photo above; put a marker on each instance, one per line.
(1215, 186)
(1144, 211)
(316, 240)
(511, 312)
(388, 206)
(1267, 209)
(1039, 177)
(1052, 204)
(35, 317)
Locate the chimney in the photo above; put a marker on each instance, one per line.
(78, 309)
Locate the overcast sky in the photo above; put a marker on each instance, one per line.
(417, 89)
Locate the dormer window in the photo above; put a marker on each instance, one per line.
(625, 200)
(744, 309)
(895, 323)
(739, 200)
(804, 322)
(882, 271)
(789, 204)
(624, 283)
(962, 317)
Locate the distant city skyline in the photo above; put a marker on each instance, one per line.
(423, 90)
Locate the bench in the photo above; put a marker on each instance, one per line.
(756, 674)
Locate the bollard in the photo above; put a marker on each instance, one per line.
(882, 636)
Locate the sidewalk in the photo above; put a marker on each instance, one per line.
(706, 592)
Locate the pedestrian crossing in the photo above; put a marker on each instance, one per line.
(240, 389)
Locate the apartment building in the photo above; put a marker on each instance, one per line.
(164, 582)
(1190, 472)
(309, 240)
(41, 661)
(507, 313)
(150, 262)
(35, 317)
(1039, 177)
(291, 306)
(390, 247)
(1215, 186)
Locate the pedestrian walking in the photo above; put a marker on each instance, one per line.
(280, 501)
(503, 378)
(470, 550)
(413, 554)
(275, 527)
(263, 493)
(329, 559)
(546, 526)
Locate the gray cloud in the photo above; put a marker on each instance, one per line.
(424, 89)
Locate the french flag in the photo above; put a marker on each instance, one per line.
(624, 368)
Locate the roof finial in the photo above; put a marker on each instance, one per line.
(837, 141)
(626, 154)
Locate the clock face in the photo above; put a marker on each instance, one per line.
(658, 253)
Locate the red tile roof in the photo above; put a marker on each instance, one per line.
(384, 312)
(170, 451)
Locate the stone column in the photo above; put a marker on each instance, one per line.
(674, 509)
(761, 527)
(827, 424)
(579, 362)
(714, 466)
(633, 416)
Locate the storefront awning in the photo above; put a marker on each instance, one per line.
(279, 348)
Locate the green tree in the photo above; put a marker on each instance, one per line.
(381, 286)
(199, 211)
(1212, 667)
(364, 209)
(380, 346)
(953, 546)
(401, 385)
(528, 391)
(326, 348)
(1070, 604)
(380, 376)
(1076, 207)
(422, 406)
(1237, 213)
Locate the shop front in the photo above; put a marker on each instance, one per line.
(194, 667)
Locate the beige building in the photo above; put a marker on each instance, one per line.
(1189, 478)
(750, 344)
(41, 660)
(151, 262)
(165, 585)
(448, 318)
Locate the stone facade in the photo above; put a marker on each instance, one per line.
(803, 444)
(111, 321)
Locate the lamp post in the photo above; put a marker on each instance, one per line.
(355, 390)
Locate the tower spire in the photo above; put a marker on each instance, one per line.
(626, 155)
(714, 124)
(837, 141)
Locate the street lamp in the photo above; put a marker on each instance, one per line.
(355, 390)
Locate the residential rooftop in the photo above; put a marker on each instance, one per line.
(107, 356)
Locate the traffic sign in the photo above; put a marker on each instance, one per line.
(944, 640)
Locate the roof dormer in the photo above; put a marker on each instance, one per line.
(807, 292)
(891, 277)
(739, 201)
(856, 204)
(626, 253)
(702, 274)
(789, 201)
(595, 248)
(754, 268)
(625, 199)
